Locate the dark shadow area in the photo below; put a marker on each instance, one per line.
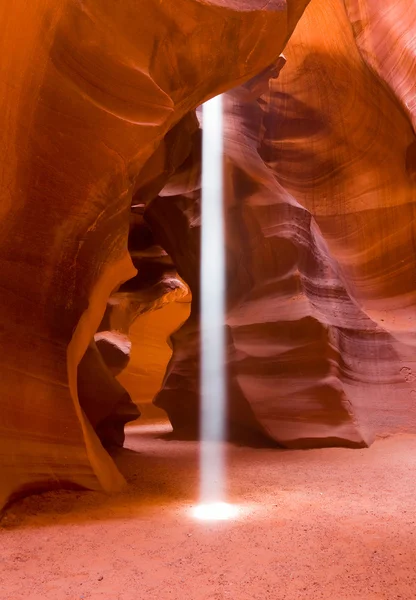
(236, 436)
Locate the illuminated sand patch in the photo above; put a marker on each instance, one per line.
(216, 511)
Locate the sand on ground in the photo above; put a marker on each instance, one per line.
(332, 524)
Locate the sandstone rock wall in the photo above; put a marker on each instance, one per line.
(97, 108)
(320, 239)
(88, 89)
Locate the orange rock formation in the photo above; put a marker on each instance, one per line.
(87, 92)
(320, 228)
(100, 217)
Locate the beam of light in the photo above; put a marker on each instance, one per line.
(212, 387)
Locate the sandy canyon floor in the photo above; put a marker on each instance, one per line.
(331, 524)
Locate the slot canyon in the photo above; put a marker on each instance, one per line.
(101, 343)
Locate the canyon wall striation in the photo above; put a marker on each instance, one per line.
(100, 221)
(320, 227)
(88, 90)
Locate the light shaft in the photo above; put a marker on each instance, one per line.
(213, 389)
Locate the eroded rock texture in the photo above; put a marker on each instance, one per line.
(320, 239)
(100, 223)
(88, 89)
(140, 317)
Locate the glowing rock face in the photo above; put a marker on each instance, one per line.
(319, 200)
(87, 94)
(320, 221)
(217, 511)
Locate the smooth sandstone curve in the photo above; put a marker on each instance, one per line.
(87, 92)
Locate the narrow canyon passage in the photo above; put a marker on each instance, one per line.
(327, 524)
(177, 339)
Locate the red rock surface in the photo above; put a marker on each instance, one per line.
(133, 337)
(341, 154)
(87, 92)
(320, 228)
(100, 217)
